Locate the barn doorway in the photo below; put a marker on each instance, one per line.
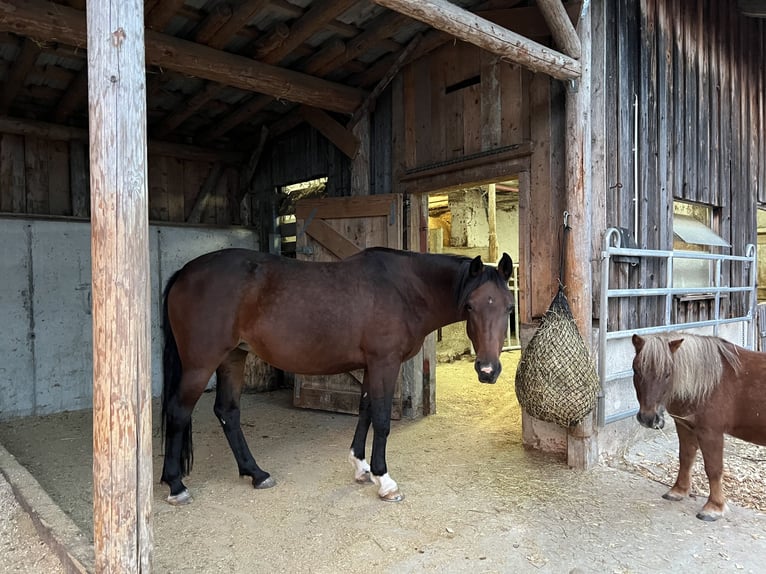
(476, 220)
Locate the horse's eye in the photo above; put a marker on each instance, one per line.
(468, 307)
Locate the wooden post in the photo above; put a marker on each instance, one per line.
(582, 451)
(122, 429)
(492, 222)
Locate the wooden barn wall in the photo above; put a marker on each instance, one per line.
(462, 117)
(696, 71)
(459, 102)
(42, 177)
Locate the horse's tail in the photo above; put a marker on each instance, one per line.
(171, 365)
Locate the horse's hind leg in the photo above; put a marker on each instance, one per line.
(357, 457)
(178, 440)
(230, 376)
(687, 452)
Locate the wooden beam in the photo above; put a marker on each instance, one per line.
(319, 14)
(239, 18)
(46, 21)
(561, 26)
(189, 108)
(248, 172)
(471, 28)
(369, 103)
(66, 133)
(342, 138)
(241, 114)
(121, 283)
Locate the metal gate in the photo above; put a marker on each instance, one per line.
(716, 291)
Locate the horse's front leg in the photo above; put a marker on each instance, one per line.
(711, 445)
(382, 383)
(357, 455)
(687, 452)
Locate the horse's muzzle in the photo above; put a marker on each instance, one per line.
(488, 373)
(653, 421)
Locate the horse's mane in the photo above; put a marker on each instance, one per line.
(696, 366)
(465, 283)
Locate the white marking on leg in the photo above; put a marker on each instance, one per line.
(386, 483)
(361, 468)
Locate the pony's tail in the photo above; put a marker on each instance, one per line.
(171, 365)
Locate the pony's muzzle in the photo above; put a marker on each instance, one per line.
(655, 421)
(488, 372)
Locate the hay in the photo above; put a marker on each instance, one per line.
(556, 380)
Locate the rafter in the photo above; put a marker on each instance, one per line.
(46, 21)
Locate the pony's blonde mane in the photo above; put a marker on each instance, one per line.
(696, 365)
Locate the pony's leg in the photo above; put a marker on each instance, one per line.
(687, 452)
(711, 445)
(230, 375)
(382, 381)
(178, 447)
(357, 457)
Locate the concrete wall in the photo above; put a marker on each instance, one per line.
(45, 304)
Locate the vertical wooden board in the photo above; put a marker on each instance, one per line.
(543, 222)
(512, 97)
(12, 174)
(193, 179)
(410, 121)
(679, 108)
(525, 252)
(713, 31)
(58, 180)
(174, 189)
(472, 128)
(79, 178)
(491, 101)
(438, 125)
(158, 204)
(702, 25)
(423, 125)
(36, 167)
(691, 151)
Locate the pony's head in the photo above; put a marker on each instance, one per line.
(653, 377)
(487, 302)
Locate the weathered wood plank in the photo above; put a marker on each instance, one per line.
(122, 387)
(79, 179)
(341, 137)
(13, 195)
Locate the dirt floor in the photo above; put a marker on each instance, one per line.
(476, 500)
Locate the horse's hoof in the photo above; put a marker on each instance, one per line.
(366, 478)
(393, 496)
(266, 483)
(669, 495)
(183, 497)
(709, 517)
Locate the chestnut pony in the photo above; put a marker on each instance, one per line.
(370, 311)
(710, 387)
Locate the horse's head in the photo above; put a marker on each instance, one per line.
(652, 372)
(487, 307)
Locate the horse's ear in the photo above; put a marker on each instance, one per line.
(505, 267)
(674, 344)
(476, 266)
(638, 343)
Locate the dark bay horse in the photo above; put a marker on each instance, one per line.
(710, 387)
(371, 311)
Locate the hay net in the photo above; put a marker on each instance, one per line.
(556, 380)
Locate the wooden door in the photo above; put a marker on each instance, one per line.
(330, 229)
